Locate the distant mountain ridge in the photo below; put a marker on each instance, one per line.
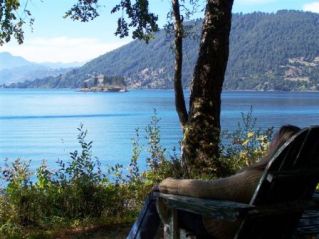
(268, 51)
(7, 61)
(14, 69)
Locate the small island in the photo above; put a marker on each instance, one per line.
(102, 83)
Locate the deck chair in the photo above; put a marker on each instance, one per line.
(284, 192)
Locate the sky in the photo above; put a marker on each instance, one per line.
(56, 39)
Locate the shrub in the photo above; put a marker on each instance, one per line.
(245, 145)
(78, 193)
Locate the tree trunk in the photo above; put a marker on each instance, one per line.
(200, 144)
(178, 87)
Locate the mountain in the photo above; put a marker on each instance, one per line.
(28, 73)
(7, 61)
(268, 51)
(274, 51)
(15, 69)
(59, 65)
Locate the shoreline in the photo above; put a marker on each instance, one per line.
(133, 89)
(103, 90)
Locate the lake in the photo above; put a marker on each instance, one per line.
(42, 124)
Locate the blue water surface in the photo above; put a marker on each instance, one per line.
(41, 124)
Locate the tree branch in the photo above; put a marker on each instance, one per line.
(178, 87)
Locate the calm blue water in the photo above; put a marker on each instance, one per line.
(41, 124)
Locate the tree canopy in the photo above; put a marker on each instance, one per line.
(139, 18)
(12, 18)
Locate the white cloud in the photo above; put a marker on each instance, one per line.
(312, 7)
(61, 49)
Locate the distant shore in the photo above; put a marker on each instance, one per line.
(104, 89)
(126, 89)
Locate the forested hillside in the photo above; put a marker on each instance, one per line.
(268, 51)
(274, 51)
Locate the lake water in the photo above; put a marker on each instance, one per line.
(41, 124)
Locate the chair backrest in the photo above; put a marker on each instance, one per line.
(291, 175)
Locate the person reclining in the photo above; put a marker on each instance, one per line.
(238, 187)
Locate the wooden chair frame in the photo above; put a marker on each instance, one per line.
(274, 200)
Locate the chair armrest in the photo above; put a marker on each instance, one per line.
(216, 209)
(229, 210)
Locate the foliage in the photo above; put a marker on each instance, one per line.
(83, 10)
(78, 193)
(155, 149)
(245, 145)
(138, 17)
(160, 167)
(12, 21)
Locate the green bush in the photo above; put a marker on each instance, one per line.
(245, 145)
(78, 193)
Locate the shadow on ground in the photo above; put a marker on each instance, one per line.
(106, 232)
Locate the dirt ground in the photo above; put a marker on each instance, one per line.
(110, 232)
